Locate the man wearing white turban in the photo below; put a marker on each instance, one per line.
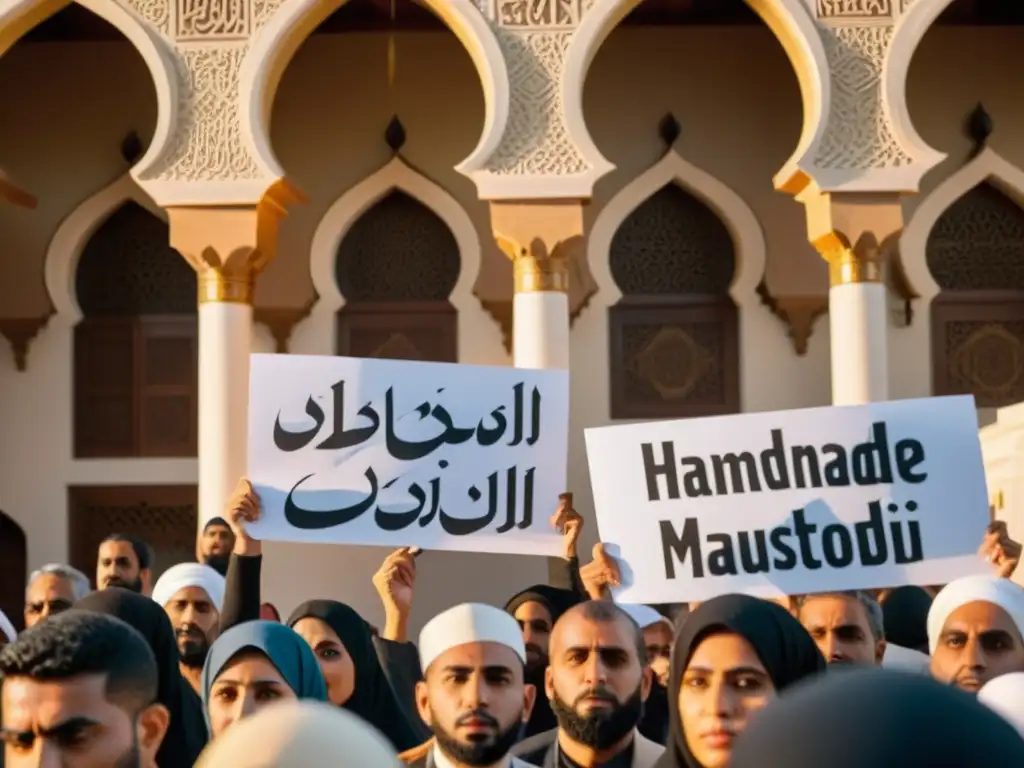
(473, 695)
(300, 734)
(976, 631)
(193, 596)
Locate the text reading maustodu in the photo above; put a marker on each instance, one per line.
(790, 502)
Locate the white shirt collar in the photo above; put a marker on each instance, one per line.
(441, 760)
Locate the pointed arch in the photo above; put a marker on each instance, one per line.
(792, 24)
(737, 216)
(346, 211)
(275, 44)
(17, 17)
(989, 166)
(73, 234)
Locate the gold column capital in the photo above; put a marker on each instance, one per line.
(536, 270)
(539, 237)
(853, 231)
(847, 264)
(230, 245)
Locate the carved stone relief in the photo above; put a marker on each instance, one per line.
(211, 38)
(858, 134)
(534, 36)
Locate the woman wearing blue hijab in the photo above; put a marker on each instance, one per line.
(254, 664)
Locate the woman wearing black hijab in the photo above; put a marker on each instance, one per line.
(343, 644)
(186, 734)
(878, 719)
(732, 656)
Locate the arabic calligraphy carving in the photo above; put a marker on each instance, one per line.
(553, 14)
(222, 19)
(499, 426)
(860, 9)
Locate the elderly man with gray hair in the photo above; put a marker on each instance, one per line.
(54, 588)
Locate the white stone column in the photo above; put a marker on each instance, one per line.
(540, 329)
(225, 343)
(858, 325)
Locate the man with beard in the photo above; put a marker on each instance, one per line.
(216, 541)
(473, 695)
(52, 589)
(597, 682)
(79, 691)
(125, 561)
(192, 595)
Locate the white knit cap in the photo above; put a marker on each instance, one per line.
(469, 623)
(190, 575)
(644, 615)
(1005, 696)
(974, 589)
(7, 628)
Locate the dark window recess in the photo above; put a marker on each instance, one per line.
(136, 387)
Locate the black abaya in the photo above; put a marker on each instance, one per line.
(186, 736)
(373, 698)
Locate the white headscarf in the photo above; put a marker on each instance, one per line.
(186, 575)
(974, 589)
(1005, 696)
(300, 734)
(7, 628)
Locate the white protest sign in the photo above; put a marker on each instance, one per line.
(792, 502)
(393, 453)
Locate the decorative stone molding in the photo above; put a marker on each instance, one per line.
(281, 321)
(988, 166)
(536, 149)
(869, 142)
(346, 210)
(790, 20)
(273, 43)
(798, 313)
(19, 332)
(70, 239)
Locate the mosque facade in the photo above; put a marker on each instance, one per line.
(698, 207)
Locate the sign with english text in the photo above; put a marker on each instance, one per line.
(792, 502)
(394, 453)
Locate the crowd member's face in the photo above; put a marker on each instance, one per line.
(217, 540)
(840, 628)
(723, 686)
(117, 566)
(979, 641)
(535, 621)
(658, 642)
(596, 681)
(47, 595)
(71, 724)
(475, 701)
(247, 683)
(195, 623)
(335, 662)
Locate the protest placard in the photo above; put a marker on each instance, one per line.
(792, 502)
(394, 453)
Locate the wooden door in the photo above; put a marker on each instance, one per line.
(165, 516)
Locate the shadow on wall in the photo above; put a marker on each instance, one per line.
(13, 570)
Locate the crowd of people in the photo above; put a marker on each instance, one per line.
(195, 669)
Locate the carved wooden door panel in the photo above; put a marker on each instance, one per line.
(13, 569)
(165, 516)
